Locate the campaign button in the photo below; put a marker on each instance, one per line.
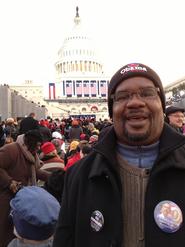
(97, 221)
(168, 216)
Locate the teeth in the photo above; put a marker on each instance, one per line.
(136, 118)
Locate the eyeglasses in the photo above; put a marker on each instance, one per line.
(146, 93)
(176, 116)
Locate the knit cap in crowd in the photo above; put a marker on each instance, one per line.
(34, 135)
(82, 136)
(75, 122)
(57, 135)
(48, 147)
(173, 109)
(35, 213)
(133, 70)
(73, 145)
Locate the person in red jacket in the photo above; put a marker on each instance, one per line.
(74, 154)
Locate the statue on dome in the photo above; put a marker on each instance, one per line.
(77, 9)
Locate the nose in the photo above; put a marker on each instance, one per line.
(135, 101)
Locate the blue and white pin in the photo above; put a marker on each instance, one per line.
(97, 221)
(168, 216)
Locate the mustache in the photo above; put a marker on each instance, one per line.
(136, 113)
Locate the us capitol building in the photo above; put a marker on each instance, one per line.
(81, 86)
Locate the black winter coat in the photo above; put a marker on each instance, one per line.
(94, 184)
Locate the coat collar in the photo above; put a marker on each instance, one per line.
(106, 148)
(169, 141)
(107, 144)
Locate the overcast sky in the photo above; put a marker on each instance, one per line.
(147, 31)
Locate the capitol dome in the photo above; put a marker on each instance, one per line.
(78, 56)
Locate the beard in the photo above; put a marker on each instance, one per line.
(136, 138)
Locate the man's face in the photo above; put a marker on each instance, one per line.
(176, 119)
(137, 120)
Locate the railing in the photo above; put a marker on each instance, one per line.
(76, 100)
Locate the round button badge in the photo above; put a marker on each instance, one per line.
(97, 221)
(168, 216)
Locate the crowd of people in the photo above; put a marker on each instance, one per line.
(39, 152)
(82, 182)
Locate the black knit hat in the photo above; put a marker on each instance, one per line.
(133, 70)
(34, 135)
(173, 109)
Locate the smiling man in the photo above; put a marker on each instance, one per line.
(115, 196)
